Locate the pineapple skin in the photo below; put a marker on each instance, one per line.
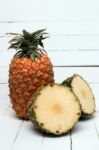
(25, 77)
(68, 82)
(32, 114)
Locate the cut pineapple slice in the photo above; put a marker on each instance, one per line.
(84, 93)
(55, 109)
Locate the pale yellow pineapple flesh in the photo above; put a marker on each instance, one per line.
(56, 109)
(84, 93)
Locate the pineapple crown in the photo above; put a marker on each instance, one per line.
(28, 44)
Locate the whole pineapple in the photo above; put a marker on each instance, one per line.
(30, 69)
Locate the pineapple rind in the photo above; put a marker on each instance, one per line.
(32, 114)
(68, 82)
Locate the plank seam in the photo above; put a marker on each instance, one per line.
(49, 21)
(71, 143)
(3, 83)
(62, 35)
(42, 141)
(95, 127)
(16, 135)
(8, 107)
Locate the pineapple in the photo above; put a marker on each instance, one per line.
(30, 69)
(84, 93)
(54, 109)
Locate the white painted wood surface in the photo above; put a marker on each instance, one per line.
(73, 47)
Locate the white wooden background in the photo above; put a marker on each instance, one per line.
(73, 47)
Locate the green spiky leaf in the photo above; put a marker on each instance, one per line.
(28, 44)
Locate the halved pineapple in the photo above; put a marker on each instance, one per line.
(55, 109)
(84, 93)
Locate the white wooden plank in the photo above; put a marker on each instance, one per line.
(96, 123)
(60, 73)
(52, 143)
(7, 110)
(70, 9)
(9, 125)
(4, 44)
(58, 58)
(19, 10)
(4, 92)
(4, 75)
(48, 10)
(28, 138)
(89, 73)
(74, 58)
(72, 42)
(8, 130)
(84, 136)
(65, 27)
(4, 105)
